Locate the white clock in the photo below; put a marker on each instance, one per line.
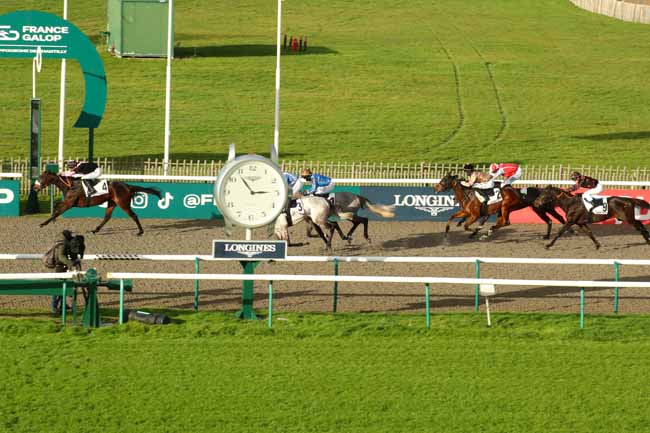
(251, 191)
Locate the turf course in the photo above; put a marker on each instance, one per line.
(321, 373)
(535, 81)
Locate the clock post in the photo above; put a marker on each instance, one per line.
(251, 192)
(248, 287)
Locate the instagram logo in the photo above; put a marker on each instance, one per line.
(140, 200)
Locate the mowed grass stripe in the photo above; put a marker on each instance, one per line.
(375, 85)
(358, 373)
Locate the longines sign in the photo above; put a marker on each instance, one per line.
(249, 250)
(413, 203)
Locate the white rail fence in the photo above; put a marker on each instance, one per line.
(338, 260)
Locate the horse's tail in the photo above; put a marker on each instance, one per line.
(384, 210)
(154, 191)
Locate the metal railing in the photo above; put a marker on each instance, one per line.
(338, 169)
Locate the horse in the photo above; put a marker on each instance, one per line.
(347, 206)
(621, 208)
(119, 194)
(314, 209)
(471, 207)
(527, 198)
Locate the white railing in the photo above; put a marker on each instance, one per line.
(41, 276)
(376, 279)
(10, 175)
(355, 259)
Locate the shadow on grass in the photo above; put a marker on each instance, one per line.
(251, 50)
(630, 135)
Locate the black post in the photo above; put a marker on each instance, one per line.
(91, 143)
(34, 154)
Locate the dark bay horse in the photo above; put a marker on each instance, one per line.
(621, 208)
(470, 206)
(119, 194)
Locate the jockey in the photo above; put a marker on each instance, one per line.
(295, 184)
(483, 183)
(321, 185)
(595, 187)
(510, 172)
(86, 171)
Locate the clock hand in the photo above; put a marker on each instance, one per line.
(246, 183)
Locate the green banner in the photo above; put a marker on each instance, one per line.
(9, 198)
(23, 32)
(179, 201)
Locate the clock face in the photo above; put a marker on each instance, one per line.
(251, 191)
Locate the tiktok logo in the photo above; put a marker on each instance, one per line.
(164, 202)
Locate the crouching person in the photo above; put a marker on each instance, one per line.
(65, 255)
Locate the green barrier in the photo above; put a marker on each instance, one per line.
(68, 288)
(9, 198)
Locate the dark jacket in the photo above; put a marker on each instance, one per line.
(584, 182)
(63, 255)
(85, 167)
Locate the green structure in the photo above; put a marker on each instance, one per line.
(138, 28)
(69, 288)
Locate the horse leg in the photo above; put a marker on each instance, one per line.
(310, 229)
(641, 229)
(549, 225)
(469, 222)
(335, 226)
(364, 221)
(460, 214)
(126, 207)
(328, 242)
(585, 229)
(60, 208)
(564, 228)
(107, 216)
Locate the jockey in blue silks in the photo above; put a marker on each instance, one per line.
(321, 185)
(295, 184)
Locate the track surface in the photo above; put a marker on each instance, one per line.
(23, 235)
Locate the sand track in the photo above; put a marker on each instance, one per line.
(22, 235)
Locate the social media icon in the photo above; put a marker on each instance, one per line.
(140, 200)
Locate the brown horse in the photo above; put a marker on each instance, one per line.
(119, 194)
(470, 206)
(621, 208)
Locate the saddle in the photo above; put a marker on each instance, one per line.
(488, 196)
(597, 205)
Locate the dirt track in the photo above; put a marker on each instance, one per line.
(22, 235)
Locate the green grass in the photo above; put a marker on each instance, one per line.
(535, 81)
(208, 372)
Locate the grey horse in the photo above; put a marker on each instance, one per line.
(347, 206)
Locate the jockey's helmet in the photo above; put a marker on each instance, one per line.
(72, 164)
(468, 167)
(494, 167)
(306, 174)
(575, 175)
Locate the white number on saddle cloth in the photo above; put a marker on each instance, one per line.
(600, 209)
(495, 196)
(298, 208)
(100, 189)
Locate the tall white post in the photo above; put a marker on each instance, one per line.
(275, 151)
(62, 97)
(37, 63)
(168, 85)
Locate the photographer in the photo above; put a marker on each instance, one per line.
(65, 255)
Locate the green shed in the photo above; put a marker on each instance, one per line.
(138, 28)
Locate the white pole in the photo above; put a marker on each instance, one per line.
(487, 309)
(37, 64)
(275, 151)
(168, 85)
(62, 96)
